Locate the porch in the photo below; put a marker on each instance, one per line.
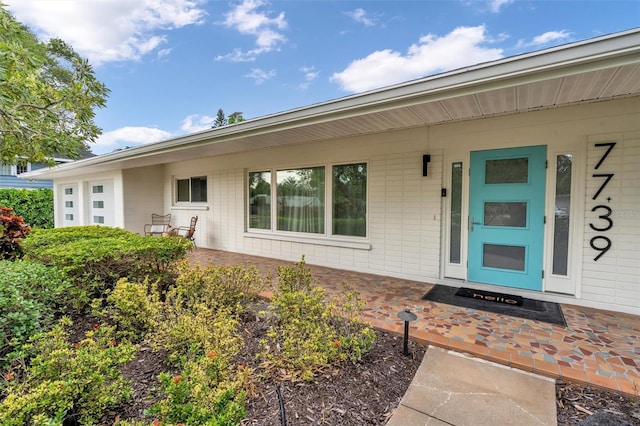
(597, 347)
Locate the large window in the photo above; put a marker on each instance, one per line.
(300, 195)
(350, 200)
(303, 205)
(191, 190)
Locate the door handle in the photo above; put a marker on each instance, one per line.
(471, 223)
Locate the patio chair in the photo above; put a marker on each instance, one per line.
(187, 232)
(160, 224)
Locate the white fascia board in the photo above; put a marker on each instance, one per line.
(570, 59)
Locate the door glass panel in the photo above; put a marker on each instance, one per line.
(512, 214)
(508, 170)
(456, 212)
(503, 257)
(561, 216)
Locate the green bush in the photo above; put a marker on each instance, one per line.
(133, 307)
(30, 295)
(202, 394)
(217, 286)
(65, 383)
(311, 332)
(96, 257)
(34, 205)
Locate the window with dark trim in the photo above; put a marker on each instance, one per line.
(191, 190)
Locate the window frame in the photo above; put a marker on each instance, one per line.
(190, 201)
(273, 232)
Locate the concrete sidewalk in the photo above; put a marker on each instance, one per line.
(453, 389)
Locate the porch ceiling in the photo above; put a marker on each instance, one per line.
(589, 71)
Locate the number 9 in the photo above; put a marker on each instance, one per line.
(602, 250)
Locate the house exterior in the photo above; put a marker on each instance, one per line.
(10, 174)
(9, 177)
(520, 175)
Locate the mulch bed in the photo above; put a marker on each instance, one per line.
(363, 394)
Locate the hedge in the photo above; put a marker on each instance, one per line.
(96, 257)
(34, 205)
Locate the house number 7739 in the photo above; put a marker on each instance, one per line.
(602, 243)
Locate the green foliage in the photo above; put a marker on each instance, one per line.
(198, 327)
(133, 307)
(311, 332)
(202, 394)
(65, 382)
(47, 96)
(220, 119)
(217, 286)
(13, 231)
(34, 205)
(187, 333)
(96, 257)
(30, 295)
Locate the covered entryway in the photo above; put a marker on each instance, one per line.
(506, 216)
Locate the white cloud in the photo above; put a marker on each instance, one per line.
(247, 19)
(549, 37)
(106, 31)
(260, 76)
(360, 15)
(495, 5)
(463, 46)
(310, 74)
(128, 136)
(196, 122)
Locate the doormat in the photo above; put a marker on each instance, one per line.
(490, 296)
(530, 309)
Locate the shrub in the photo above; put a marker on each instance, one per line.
(96, 257)
(202, 394)
(311, 332)
(66, 383)
(13, 230)
(217, 286)
(189, 333)
(30, 295)
(34, 205)
(133, 307)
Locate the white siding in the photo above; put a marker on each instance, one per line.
(615, 277)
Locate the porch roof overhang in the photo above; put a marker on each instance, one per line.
(594, 70)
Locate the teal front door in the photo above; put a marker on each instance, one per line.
(506, 216)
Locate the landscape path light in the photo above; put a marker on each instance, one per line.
(407, 316)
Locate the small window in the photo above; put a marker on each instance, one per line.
(68, 204)
(98, 219)
(68, 216)
(192, 190)
(68, 191)
(455, 239)
(98, 204)
(260, 200)
(22, 168)
(561, 247)
(98, 189)
(5, 170)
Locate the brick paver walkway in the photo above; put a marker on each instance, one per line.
(597, 347)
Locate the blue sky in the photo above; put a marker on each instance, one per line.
(171, 64)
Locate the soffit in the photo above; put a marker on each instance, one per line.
(585, 73)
